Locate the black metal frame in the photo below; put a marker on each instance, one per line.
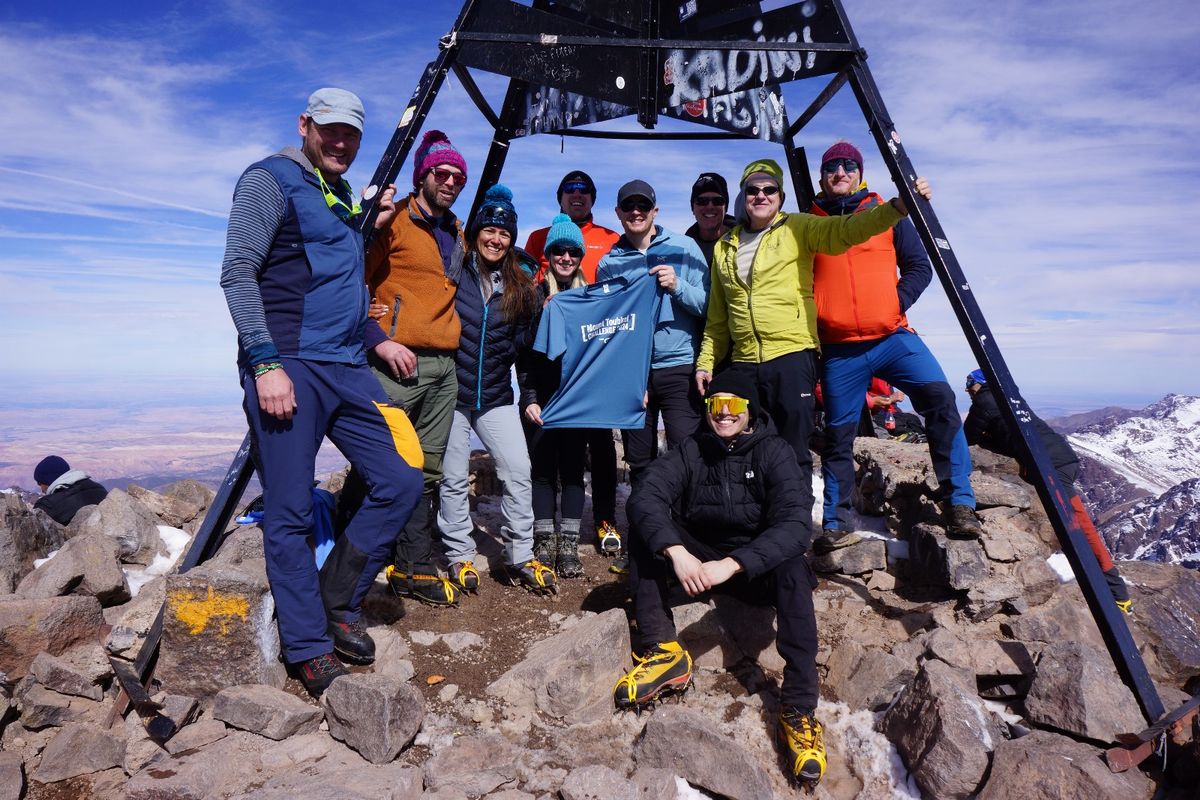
(565, 31)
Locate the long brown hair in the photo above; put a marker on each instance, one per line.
(520, 299)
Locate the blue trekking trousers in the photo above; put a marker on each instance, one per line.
(345, 403)
(903, 360)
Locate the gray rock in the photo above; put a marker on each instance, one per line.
(122, 518)
(475, 765)
(857, 559)
(942, 732)
(1077, 690)
(687, 744)
(197, 735)
(939, 560)
(226, 767)
(179, 708)
(181, 502)
(298, 750)
(596, 782)
(132, 622)
(28, 627)
(893, 474)
(25, 536)
(79, 749)
(1044, 764)
(865, 679)
(654, 783)
(12, 776)
(368, 782)
(1038, 582)
(986, 657)
(377, 715)
(265, 710)
(1000, 490)
(462, 640)
(42, 708)
(140, 750)
(1166, 617)
(64, 677)
(570, 675)
(1005, 541)
(86, 565)
(244, 543)
(1063, 617)
(218, 631)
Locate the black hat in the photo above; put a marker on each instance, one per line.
(710, 182)
(576, 176)
(636, 188)
(735, 382)
(50, 469)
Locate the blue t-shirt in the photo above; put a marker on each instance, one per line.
(604, 334)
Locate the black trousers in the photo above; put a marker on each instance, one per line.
(603, 454)
(672, 394)
(789, 588)
(556, 459)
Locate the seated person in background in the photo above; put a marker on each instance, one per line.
(986, 427)
(884, 418)
(67, 490)
(723, 511)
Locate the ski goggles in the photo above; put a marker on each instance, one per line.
(731, 404)
(831, 166)
(443, 175)
(576, 186)
(573, 252)
(497, 217)
(345, 211)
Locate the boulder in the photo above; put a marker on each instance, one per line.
(981, 656)
(42, 708)
(218, 631)
(474, 765)
(1005, 541)
(227, 767)
(1166, 601)
(181, 502)
(12, 776)
(265, 710)
(377, 715)
(937, 559)
(597, 782)
(943, 732)
(124, 519)
(131, 623)
(570, 674)
(992, 489)
(65, 677)
(197, 735)
(79, 749)
(1064, 617)
(857, 559)
(365, 782)
(892, 474)
(1038, 581)
(25, 535)
(1045, 764)
(28, 627)
(865, 678)
(179, 708)
(86, 565)
(1077, 690)
(687, 744)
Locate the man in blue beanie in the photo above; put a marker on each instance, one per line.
(67, 490)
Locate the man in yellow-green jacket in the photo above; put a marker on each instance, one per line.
(760, 307)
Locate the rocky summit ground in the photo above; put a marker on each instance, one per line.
(949, 669)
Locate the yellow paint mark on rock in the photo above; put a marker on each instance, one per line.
(196, 611)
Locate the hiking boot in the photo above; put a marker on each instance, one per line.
(620, 565)
(352, 642)
(833, 539)
(464, 576)
(1126, 607)
(803, 742)
(608, 539)
(534, 576)
(961, 523)
(432, 589)
(664, 669)
(567, 564)
(318, 673)
(545, 545)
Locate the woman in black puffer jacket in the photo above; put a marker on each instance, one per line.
(498, 307)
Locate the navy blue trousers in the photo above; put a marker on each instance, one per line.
(345, 403)
(904, 361)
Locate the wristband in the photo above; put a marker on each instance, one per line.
(263, 369)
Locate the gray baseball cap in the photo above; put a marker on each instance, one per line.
(636, 188)
(327, 106)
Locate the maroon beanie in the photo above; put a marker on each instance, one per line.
(843, 150)
(435, 150)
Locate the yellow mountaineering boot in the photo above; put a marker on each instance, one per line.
(433, 590)
(803, 742)
(665, 668)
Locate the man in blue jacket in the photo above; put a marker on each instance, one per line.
(682, 272)
(293, 280)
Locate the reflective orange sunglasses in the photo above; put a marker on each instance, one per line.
(733, 405)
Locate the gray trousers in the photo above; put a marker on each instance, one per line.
(500, 431)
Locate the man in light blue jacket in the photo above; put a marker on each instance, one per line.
(683, 276)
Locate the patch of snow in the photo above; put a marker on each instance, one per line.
(685, 791)
(37, 562)
(897, 549)
(1062, 568)
(866, 752)
(176, 541)
(1002, 711)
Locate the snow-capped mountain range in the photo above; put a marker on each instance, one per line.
(1141, 479)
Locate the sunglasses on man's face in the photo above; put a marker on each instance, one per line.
(573, 252)
(636, 204)
(571, 188)
(847, 165)
(754, 191)
(709, 201)
(443, 175)
(732, 405)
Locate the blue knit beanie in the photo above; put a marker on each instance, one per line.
(564, 232)
(496, 212)
(50, 469)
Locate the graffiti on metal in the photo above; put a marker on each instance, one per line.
(550, 109)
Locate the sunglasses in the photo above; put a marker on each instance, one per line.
(709, 201)
(847, 165)
(755, 191)
(573, 252)
(732, 405)
(636, 204)
(443, 175)
(345, 211)
(569, 188)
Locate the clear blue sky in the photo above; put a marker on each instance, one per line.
(1059, 137)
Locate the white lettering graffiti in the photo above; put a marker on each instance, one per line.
(608, 327)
